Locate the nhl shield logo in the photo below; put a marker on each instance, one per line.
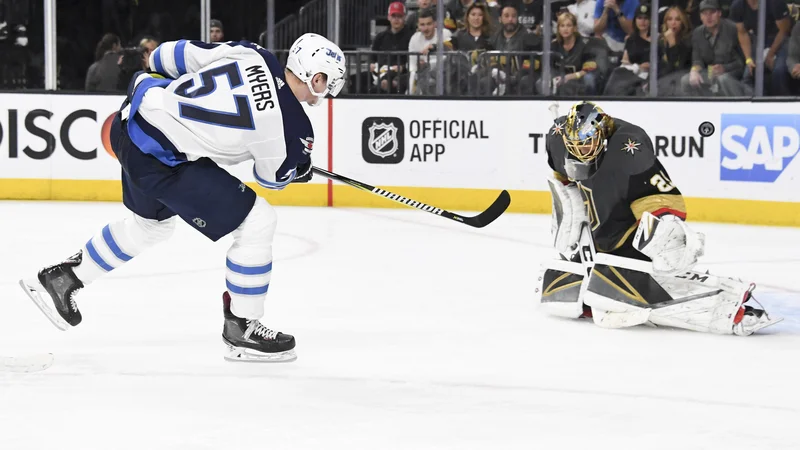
(382, 140)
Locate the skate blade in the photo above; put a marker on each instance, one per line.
(26, 364)
(769, 323)
(239, 354)
(33, 289)
(738, 330)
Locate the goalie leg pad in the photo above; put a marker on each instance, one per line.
(623, 293)
(618, 294)
(709, 309)
(711, 304)
(569, 212)
(558, 288)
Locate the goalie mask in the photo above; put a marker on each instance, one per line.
(585, 133)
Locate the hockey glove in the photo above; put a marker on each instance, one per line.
(304, 172)
(669, 243)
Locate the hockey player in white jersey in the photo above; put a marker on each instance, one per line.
(203, 105)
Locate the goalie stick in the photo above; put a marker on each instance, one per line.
(481, 220)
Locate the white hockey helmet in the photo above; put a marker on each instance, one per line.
(312, 54)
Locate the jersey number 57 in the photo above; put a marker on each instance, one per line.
(242, 118)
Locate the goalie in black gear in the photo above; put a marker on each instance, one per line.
(626, 251)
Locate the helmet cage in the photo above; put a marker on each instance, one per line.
(590, 129)
(576, 147)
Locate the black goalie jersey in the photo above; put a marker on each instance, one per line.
(629, 181)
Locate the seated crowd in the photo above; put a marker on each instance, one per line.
(598, 47)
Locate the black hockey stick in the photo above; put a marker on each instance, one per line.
(481, 220)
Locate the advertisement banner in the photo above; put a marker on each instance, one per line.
(718, 150)
(734, 161)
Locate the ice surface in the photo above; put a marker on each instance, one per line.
(413, 333)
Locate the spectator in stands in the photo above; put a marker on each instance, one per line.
(530, 14)
(688, 7)
(413, 17)
(148, 44)
(217, 33)
(675, 51)
(583, 10)
(103, 74)
(471, 41)
(793, 60)
(692, 9)
(717, 62)
(631, 76)
(456, 10)
(131, 60)
(477, 32)
(390, 73)
(515, 72)
(614, 21)
(576, 70)
(422, 68)
(744, 13)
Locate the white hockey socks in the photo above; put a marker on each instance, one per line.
(118, 243)
(249, 263)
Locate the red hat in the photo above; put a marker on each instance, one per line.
(397, 8)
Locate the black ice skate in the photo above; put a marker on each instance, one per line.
(250, 341)
(53, 291)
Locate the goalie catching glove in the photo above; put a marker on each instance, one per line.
(569, 212)
(669, 243)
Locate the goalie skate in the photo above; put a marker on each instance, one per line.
(248, 340)
(750, 319)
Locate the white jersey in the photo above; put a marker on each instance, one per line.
(228, 102)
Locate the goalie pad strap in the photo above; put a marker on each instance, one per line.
(622, 293)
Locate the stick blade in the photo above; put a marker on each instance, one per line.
(491, 213)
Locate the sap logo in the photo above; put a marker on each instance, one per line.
(334, 55)
(757, 147)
